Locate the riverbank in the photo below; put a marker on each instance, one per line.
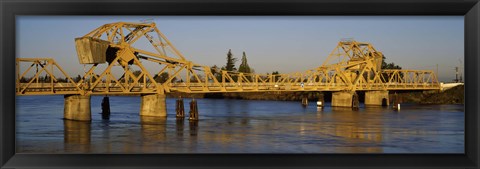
(453, 95)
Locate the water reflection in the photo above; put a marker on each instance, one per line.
(237, 126)
(153, 128)
(193, 124)
(105, 133)
(76, 136)
(180, 126)
(359, 126)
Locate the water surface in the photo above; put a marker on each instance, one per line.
(239, 126)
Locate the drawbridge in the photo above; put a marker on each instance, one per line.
(114, 58)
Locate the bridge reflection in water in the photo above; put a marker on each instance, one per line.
(339, 130)
(153, 132)
(77, 136)
(354, 129)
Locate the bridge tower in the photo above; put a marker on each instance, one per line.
(115, 45)
(355, 63)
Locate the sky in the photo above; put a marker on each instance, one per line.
(272, 43)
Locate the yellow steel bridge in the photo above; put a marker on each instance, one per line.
(351, 66)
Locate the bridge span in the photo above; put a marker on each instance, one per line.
(352, 66)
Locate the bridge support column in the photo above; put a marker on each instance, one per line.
(179, 108)
(304, 101)
(376, 98)
(193, 110)
(342, 99)
(77, 107)
(321, 100)
(106, 108)
(153, 105)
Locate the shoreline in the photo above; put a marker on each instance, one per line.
(455, 95)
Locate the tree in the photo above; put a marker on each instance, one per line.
(137, 74)
(274, 74)
(193, 79)
(25, 80)
(62, 80)
(94, 78)
(230, 66)
(78, 78)
(47, 78)
(163, 77)
(217, 73)
(391, 65)
(244, 67)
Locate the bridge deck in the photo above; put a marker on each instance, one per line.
(116, 89)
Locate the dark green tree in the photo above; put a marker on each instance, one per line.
(47, 78)
(244, 67)
(94, 78)
(217, 72)
(137, 73)
(77, 79)
(391, 65)
(163, 77)
(25, 80)
(275, 74)
(62, 80)
(230, 66)
(193, 79)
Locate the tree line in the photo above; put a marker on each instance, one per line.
(47, 79)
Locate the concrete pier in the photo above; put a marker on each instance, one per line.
(342, 99)
(77, 107)
(153, 105)
(376, 98)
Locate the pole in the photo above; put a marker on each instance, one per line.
(456, 74)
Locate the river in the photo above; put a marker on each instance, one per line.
(239, 126)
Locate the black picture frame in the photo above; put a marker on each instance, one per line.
(470, 9)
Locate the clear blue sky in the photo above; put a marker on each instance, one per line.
(272, 43)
